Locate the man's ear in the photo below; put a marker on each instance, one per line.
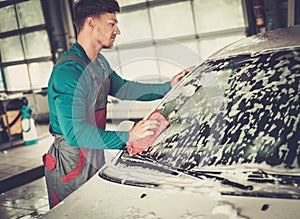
(90, 22)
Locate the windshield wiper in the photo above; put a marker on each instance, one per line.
(195, 173)
(261, 176)
(217, 175)
(198, 174)
(137, 160)
(252, 175)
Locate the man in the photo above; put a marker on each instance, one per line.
(77, 95)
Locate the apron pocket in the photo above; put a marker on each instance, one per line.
(74, 173)
(49, 161)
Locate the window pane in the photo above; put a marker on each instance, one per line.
(208, 46)
(40, 74)
(11, 49)
(8, 19)
(172, 20)
(168, 69)
(133, 26)
(129, 2)
(178, 54)
(139, 64)
(193, 46)
(218, 15)
(145, 70)
(17, 77)
(30, 13)
(36, 44)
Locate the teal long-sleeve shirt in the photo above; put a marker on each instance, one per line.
(71, 95)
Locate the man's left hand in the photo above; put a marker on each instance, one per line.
(180, 75)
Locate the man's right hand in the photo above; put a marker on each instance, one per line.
(142, 129)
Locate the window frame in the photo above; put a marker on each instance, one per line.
(21, 32)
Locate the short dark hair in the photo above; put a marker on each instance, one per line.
(86, 8)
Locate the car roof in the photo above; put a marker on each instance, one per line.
(282, 38)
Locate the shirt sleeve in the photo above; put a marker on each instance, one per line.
(130, 90)
(73, 95)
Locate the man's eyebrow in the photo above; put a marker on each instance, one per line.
(114, 20)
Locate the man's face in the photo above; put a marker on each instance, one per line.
(106, 29)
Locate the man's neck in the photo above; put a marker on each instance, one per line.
(90, 49)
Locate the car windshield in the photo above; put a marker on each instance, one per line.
(243, 109)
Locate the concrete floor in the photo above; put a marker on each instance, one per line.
(23, 192)
(22, 185)
(27, 201)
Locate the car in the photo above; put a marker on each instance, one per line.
(231, 150)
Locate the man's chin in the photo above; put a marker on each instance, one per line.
(108, 46)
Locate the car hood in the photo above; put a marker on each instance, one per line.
(99, 198)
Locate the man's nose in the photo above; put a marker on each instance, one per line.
(117, 30)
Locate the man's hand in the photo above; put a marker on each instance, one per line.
(180, 75)
(142, 129)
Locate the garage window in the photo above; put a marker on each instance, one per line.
(24, 44)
